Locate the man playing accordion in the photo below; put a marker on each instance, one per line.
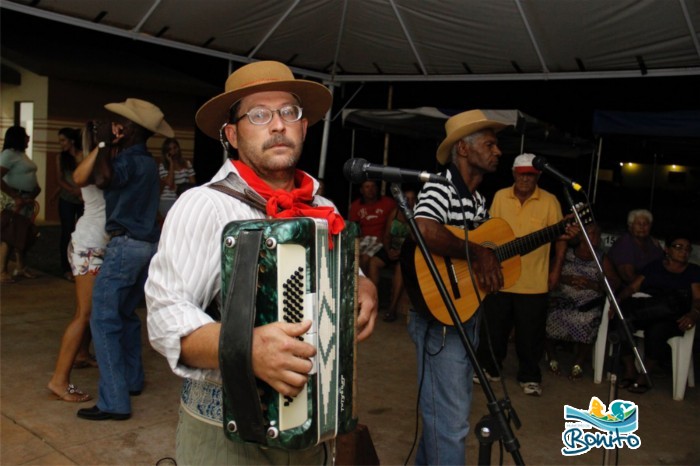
(262, 118)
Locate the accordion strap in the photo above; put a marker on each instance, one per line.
(250, 198)
(235, 342)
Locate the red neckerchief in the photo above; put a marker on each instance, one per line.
(294, 203)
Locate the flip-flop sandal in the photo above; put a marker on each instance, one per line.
(576, 372)
(554, 367)
(625, 382)
(638, 388)
(73, 395)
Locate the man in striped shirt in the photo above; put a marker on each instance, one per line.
(444, 369)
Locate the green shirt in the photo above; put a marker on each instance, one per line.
(22, 171)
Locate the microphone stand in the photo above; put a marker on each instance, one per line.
(613, 339)
(490, 428)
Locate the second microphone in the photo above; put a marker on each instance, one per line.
(358, 170)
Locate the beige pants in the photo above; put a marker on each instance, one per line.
(200, 443)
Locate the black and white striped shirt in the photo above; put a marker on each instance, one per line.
(443, 204)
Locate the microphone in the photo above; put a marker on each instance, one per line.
(359, 170)
(541, 164)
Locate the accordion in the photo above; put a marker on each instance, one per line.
(284, 270)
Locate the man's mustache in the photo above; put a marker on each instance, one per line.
(277, 140)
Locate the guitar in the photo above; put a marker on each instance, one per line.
(495, 234)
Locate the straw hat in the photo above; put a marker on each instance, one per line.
(461, 125)
(262, 76)
(143, 113)
(523, 164)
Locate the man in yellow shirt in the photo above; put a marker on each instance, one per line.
(527, 208)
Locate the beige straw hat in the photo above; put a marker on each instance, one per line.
(262, 76)
(461, 125)
(143, 113)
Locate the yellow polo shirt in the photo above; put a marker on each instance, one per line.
(539, 211)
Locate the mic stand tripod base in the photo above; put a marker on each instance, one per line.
(486, 433)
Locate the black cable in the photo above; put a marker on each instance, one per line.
(420, 389)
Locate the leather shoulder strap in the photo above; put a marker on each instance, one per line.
(235, 342)
(243, 197)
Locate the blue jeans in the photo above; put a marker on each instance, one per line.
(445, 379)
(116, 328)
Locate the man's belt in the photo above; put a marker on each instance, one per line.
(202, 400)
(115, 233)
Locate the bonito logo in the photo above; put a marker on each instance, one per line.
(600, 427)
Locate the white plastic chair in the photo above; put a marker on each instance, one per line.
(681, 354)
(682, 357)
(601, 344)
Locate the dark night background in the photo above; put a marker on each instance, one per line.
(567, 105)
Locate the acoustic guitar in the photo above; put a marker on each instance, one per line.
(495, 234)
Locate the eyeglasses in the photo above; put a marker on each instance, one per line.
(682, 247)
(262, 115)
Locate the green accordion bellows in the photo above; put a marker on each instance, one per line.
(275, 270)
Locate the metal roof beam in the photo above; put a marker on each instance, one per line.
(148, 14)
(274, 28)
(658, 73)
(341, 29)
(409, 38)
(533, 40)
(691, 28)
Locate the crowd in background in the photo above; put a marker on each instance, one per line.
(114, 198)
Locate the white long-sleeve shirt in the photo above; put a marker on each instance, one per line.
(185, 274)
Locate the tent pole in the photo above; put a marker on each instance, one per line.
(352, 156)
(385, 158)
(653, 184)
(324, 141)
(597, 170)
(224, 152)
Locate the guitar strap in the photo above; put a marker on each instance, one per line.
(463, 191)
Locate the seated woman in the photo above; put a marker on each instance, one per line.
(576, 304)
(679, 281)
(636, 248)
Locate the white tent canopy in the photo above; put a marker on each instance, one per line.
(338, 41)
(411, 40)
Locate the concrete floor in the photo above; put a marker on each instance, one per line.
(35, 430)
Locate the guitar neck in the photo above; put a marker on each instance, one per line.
(528, 243)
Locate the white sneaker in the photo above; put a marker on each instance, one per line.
(531, 388)
(489, 377)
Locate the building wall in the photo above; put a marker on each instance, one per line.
(62, 103)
